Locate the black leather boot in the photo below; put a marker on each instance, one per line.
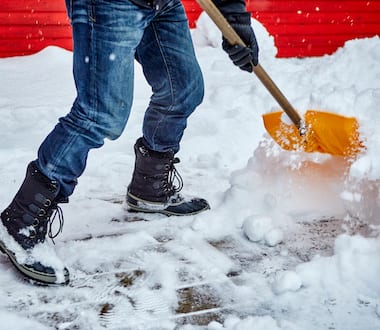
(25, 224)
(153, 188)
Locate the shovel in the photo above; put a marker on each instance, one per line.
(319, 131)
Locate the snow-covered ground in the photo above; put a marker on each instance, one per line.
(291, 241)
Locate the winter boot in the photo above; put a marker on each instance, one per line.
(26, 223)
(153, 188)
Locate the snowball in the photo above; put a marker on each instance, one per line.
(273, 237)
(286, 281)
(260, 228)
(256, 226)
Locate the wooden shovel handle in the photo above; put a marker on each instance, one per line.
(234, 39)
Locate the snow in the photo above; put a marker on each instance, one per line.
(291, 241)
(259, 228)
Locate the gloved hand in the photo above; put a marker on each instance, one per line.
(241, 56)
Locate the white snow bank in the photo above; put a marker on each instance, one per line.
(227, 158)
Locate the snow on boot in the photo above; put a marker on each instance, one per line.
(153, 188)
(25, 224)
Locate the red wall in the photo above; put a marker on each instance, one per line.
(313, 28)
(300, 27)
(27, 26)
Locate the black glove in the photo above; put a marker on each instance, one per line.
(241, 56)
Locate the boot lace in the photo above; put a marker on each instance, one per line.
(57, 213)
(173, 180)
(48, 214)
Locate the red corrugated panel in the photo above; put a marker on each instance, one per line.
(27, 26)
(313, 28)
(300, 27)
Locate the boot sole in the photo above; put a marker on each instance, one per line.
(133, 201)
(32, 274)
(134, 209)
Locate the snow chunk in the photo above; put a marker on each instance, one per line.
(260, 228)
(274, 236)
(286, 281)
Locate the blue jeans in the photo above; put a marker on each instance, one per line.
(108, 35)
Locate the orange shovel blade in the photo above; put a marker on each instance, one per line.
(326, 132)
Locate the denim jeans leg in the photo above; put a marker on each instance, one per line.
(168, 59)
(105, 35)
